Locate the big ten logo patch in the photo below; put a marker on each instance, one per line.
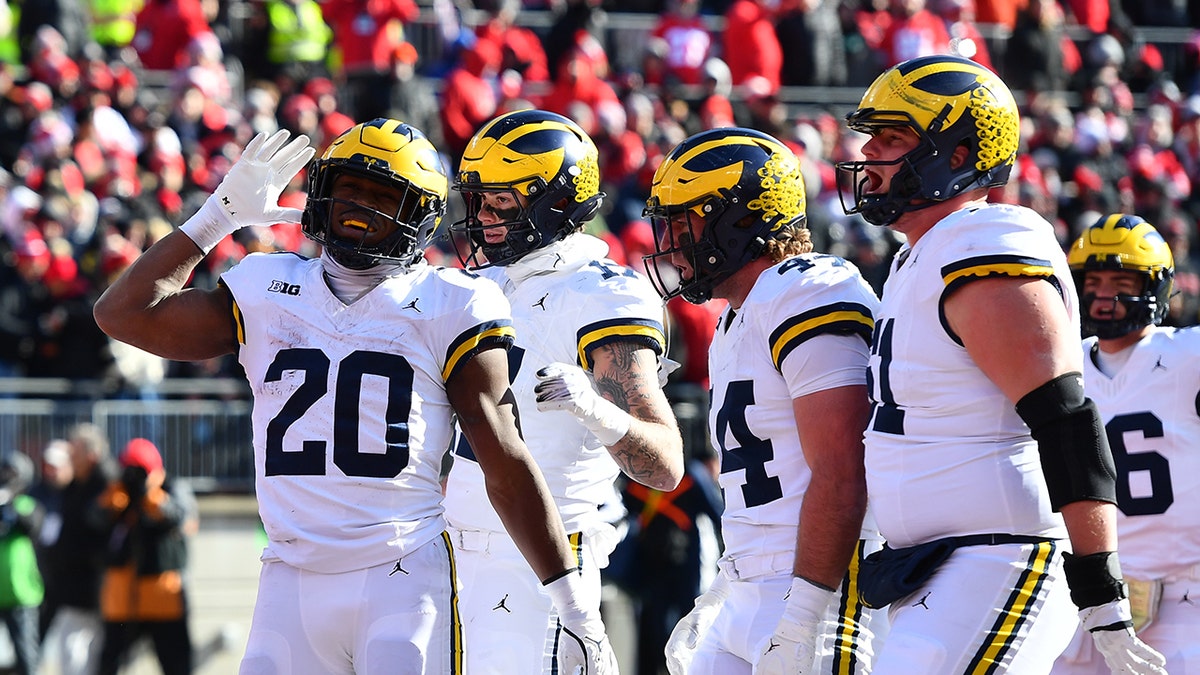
(278, 286)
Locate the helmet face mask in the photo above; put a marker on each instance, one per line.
(549, 166)
(389, 154)
(1123, 242)
(948, 102)
(715, 202)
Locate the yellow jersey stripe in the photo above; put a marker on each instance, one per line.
(641, 331)
(840, 319)
(483, 336)
(981, 267)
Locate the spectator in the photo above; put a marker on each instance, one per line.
(677, 531)
(810, 34)
(750, 22)
(165, 28)
(21, 587)
(297, 39)
(365, 34)
(149, 517)
(570, 34)
(576, 82)
(688, 43)
(21, 267)
(965, 38)
(468, 97)
(913, 31)
(69, 18)
(69, 621)
(1039, 55)
(521, 49)
(1003, 12)
(715, 108)
(114, 23)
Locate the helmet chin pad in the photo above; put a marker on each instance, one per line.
(1139, 313)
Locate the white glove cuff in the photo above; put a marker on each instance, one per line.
(608, 422)
(806, 601)
(207, 227)
(1116, 612)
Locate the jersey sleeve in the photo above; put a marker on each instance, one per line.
(483, 322)
(615, 304)
(818, 325)
(981, 249)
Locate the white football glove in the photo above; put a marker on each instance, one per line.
(792, 650)
(583, 648)
(249, 192)
(1112, 630)
(565, 387)
(685, 638)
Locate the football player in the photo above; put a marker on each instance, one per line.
(357, 361)
(788, 366)
(1143, 380)
(584, 369)
(978, 315)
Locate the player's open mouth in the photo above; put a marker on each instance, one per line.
(874, 182)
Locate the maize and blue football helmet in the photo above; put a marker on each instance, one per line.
(737, 188)
(395, 155)
(1124, 242)
(949, 101)
(543, 157)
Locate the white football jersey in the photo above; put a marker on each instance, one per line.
(351, 419)
(565, 303)
(762, 356)
(947, 453)
(1151, 411)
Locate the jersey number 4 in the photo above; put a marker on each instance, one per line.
(310, 459)
(752, 453)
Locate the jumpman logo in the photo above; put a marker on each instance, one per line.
(1158, 364)
(502, 605)
(921, 602)
(413, 305)
(1186, 599)
(541, 303)
(557, 260)
(772, 646)
(397, 568)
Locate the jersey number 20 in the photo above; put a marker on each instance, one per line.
(310, 459)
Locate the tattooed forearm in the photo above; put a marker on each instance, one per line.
(651, 453)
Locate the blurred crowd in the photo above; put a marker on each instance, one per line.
(118, 117)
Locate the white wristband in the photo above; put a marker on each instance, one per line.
(608, 422)
(806, 601)
(206, 227)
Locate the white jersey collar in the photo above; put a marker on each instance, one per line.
(571, 252)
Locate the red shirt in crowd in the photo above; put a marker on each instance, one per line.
(164, 30)
(751, 46)
(688, 43)
(368, 31)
